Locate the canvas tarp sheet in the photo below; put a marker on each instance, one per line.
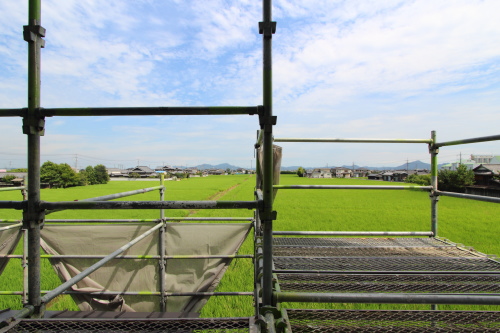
(277, 155)
(142, 275)
(8, 242)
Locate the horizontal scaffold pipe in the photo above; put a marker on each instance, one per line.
(466, 141)
(353, 233)
(12, 204)
(77, 278)
(12, 112)
(380, 272)
(149, 205)
(12, 188)
(94, 256)
(352, 187)
(354, 140)
(118, 195)
(139, 293)
(152, 111)
(478, 299)
(11, 226)
(469, 196)
(83, 221)
(209, 219)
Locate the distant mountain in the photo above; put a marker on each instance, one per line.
(222, 166)
(411, 166)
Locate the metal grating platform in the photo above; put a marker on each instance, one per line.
(392, 321)
(357, 242)
(210, 325)
(408, 283)
(382, 265)
(445, 251)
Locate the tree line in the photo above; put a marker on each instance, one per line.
(448, 180)
(62, 175)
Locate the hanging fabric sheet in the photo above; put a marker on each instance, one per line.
(8, 242)
(142, 275)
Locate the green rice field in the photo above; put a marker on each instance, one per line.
(469, 222)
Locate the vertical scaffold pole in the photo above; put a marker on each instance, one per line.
(33, 127)
(267, 28)
(163, 301)
(434, 182)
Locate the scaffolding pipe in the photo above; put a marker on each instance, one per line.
(150, 111)
(232, 219)
(50, 295)
(115, 196)
(469, 196)
(4, 189)
(353, 233)
(270, 324)
(149, 205)
(24, 264)
(267, 28)
(11, 226)
(466, 141)
(162, 262)
(477, 299)
(353, 140)
(352, 187)
(11, 112)
(33, 127)
(81, 221)
(96, 256)
(13, 204)
(138, 293)
(343, 272)
(260, 139)
(434, 196)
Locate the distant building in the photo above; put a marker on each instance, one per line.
(320, 173)
(485, 182)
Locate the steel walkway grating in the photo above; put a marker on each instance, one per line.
(380, 264)
(430, 251)
(209, 325)
(392, 321)
(417, 283)
(357, 242)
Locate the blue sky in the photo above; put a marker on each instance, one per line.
(342, 69)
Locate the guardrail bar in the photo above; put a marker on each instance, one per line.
(11, 226)
(149, 205)
(353, 140)
(353, 233)
(387, 298)
(466, 141)
(469, 196)
(352, 187)
(150, 111)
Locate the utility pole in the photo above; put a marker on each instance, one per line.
(76, 161)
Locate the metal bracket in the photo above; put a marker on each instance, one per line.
(267, 121)
(267, 28)
(33, 33)
(29, 221)
(33, 124)
(433, 149)
(271, 216)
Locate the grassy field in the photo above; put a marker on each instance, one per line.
(470, 222)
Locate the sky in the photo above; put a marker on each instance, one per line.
(341, 69)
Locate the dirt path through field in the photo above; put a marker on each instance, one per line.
(219, 195)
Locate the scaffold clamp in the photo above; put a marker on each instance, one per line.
(33, 33)
(267, 28)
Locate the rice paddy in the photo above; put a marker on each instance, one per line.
(469, 222)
